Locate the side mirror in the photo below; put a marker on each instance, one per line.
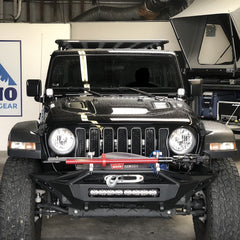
(196, 87)
(34, 88)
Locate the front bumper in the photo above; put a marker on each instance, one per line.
(170, 190)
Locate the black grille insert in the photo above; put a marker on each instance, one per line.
(150, 142)
(108, 140)
(163, 141)
(81, 142)
(122, 139)
(136, 141)
(94, 141)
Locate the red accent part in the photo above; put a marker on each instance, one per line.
(104, 161)
(117, 166)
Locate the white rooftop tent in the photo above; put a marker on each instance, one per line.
(192, 25)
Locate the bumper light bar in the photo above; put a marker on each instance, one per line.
(125, 192)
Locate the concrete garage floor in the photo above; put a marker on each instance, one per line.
(67, 228)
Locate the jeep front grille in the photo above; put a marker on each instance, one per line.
(134, 140)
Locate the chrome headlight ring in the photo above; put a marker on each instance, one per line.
(182, 140)
(62, 141)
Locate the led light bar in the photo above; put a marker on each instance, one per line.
(124, 192)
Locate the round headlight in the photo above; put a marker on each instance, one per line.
(61, 141)
(182, 141)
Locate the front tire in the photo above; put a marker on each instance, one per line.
(221, 197)
(17, 201)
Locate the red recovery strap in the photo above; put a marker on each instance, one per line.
(104, 161)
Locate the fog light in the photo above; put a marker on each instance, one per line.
(223, 146)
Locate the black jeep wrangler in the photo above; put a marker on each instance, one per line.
(116, 137)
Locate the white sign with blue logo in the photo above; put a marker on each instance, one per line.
(10, 79)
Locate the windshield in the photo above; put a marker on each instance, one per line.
(153, 72)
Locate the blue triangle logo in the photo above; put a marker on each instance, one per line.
(5, 77)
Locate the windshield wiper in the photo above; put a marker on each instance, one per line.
(127, 88)
(72, 89)
(93, 92)
(140, 91)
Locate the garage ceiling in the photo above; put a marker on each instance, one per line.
(66, 10)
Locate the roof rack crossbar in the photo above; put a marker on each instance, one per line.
(86, 44)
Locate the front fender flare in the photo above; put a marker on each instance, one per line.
(25, 132)
(216, 132)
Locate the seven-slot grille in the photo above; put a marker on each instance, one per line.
(135, 140)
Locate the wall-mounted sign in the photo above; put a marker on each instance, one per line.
(10, 79)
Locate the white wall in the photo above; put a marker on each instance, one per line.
(125, 30)
(38, 42)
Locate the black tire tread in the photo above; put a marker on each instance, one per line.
(17, 196)
(223, 198)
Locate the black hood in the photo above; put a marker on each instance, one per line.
(118, 109)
